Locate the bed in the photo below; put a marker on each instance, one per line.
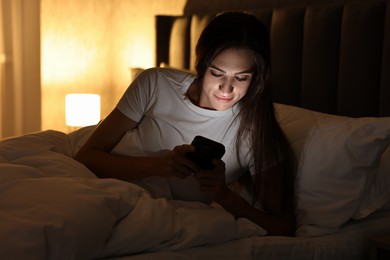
(331, 79)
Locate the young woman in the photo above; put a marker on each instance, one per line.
(146, 137)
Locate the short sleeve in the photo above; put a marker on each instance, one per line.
(138, 96)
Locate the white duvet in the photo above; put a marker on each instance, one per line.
(53, 207)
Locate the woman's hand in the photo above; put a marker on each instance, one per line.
(213, 181)
(176, 163)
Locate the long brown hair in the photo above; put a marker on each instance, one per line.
(258, 123)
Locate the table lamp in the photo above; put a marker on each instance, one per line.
(82, 109)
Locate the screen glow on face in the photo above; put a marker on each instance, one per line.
(227, 80)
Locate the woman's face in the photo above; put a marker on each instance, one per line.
(227, 80)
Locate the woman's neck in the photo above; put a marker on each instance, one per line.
(193, 92)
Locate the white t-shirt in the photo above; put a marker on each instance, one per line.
(167, 118)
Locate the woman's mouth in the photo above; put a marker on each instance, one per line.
(223, 99)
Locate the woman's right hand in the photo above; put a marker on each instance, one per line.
(95, 154)
(177, 164)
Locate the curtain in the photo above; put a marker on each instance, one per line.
(20, 84)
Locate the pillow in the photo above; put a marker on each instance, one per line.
(377, 193)
(337, 156)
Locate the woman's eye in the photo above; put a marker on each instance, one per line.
(215, 74)
(243, 78)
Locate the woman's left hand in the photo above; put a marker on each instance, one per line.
(213, 181)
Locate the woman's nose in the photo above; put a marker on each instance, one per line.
(226, 86)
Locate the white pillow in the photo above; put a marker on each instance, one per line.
(336, 157)
(377, 193)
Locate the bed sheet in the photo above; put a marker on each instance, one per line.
(351, 242)
(53, 207)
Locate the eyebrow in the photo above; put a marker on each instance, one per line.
(241, 72)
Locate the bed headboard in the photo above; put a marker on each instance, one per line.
(332, 58)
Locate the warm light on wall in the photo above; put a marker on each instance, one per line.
(80, 54)
(82, 109)
(76, 58)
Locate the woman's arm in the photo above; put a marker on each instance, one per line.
(95, 154)
(275, 224)
(278, 217)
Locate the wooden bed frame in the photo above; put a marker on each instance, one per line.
(332, 58)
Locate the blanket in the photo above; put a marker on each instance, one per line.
(53, 207)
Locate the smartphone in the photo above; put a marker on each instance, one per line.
(205, 151)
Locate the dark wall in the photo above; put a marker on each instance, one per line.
(202, 6)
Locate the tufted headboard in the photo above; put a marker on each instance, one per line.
(332, 58)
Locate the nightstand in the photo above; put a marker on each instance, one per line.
(380, 247)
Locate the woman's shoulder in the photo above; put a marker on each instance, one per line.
(171, 74)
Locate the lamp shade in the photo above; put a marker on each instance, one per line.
(82, 109)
